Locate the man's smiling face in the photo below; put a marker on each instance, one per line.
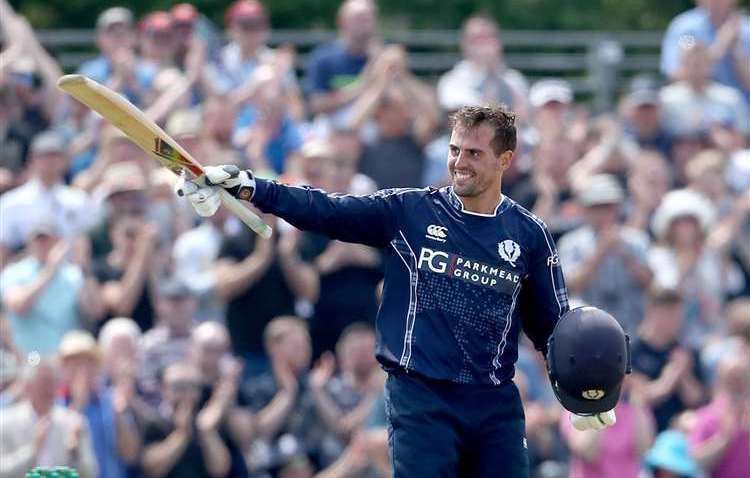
(473, 165)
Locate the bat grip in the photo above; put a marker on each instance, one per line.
(247, 216)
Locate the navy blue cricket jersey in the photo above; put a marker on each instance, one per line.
(459, 286)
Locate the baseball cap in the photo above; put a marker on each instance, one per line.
(601, 189)
(122, 177)
(317, 148)
(245, 9)
(158, 21)
(113, 16)
(78, 342)
(174, 288)
(546, 91)
(184, 13)
(48, 142)
(643, 90)
(184, 123)
(588, 357)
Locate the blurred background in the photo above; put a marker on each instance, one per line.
(139, 340)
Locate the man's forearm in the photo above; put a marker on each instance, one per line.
(21, 299)
(160, 458)
(127, 291)
(302, 277)
(90, 301)
(234, 278)
(128, 439)
(708, 453)
(272, 417)
(215, 453)
(328, 410)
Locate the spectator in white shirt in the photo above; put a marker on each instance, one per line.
(37, 432)
(43, 196)
(695, 102)
(482, 75)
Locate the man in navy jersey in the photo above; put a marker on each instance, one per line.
(466, 268)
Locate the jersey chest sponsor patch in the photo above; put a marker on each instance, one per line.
(467, 270)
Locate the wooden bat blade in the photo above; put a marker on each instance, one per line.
(149, 137)
(131, 121)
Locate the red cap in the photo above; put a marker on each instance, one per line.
(156, 21)
(245, 9)
(184, 13)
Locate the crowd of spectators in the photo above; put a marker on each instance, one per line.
(137, 339)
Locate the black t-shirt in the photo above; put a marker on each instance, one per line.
(303, 430)
(143, 313)
(190, 463)
(239, 467)
(346, 296)
(248, 313)
(394, 162)
(650, 361)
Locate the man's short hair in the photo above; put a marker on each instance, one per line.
(119, 326)
(280, 327)
(501, 119)
(480, 16)
(357, 328)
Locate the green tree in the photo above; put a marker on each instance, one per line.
(512, 14)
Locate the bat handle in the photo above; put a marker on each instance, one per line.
(247, 216)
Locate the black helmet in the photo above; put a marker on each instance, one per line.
(587, 358)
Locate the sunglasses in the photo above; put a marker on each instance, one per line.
(251, 25)
(184, 385)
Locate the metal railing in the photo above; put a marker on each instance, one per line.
(595, 62)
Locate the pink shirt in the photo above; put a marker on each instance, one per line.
(736, 460)
(618, 456)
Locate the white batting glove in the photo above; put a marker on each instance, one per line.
(597, 421)
(204, 199)
(239, 183)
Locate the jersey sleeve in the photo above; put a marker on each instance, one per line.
(544, 297)
(369, 220)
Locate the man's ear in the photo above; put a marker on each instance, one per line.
(505, 159)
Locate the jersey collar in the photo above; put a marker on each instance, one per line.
(458, 204)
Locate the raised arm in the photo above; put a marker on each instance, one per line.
(369, 220)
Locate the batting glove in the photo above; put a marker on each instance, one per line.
(239, 183)
(597, 421)
(204, 199)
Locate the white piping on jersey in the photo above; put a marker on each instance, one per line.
(394, 192)
(504, 340)
(464, 210)
(412, 310)
(551, 253)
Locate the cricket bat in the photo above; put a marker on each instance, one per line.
(151, 138)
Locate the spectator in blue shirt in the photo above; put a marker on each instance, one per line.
(334, 68)
(266, 131)
(117, 66)
(721, 26)
(114, 435)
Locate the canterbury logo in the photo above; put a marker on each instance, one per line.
(438, 233)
